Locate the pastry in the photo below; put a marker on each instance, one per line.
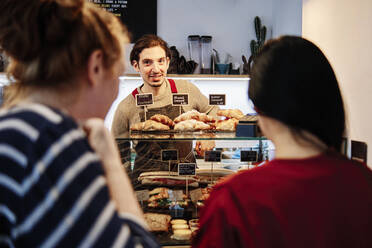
(154, 125)
(157, 222)
(149, 125)
(180, 226)
(182, 234)
(227, 125)
(194, 115)
(165, 178)
(178, 221)
(162, 119)
(230, 113)
(158, 193)
(137, 126)
(191, 125)
(194, 223)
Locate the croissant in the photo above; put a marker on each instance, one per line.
(149, 125)
(154, 125)
(189, 115)
(191, 125)
(227, 125)
(194, 115)
(137, 126)
(230, 113)
(162, 119)
(206, 118)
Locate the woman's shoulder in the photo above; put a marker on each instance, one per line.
(244, 179)
(33, 119)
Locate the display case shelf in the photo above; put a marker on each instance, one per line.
(142, 151)
(171, 135)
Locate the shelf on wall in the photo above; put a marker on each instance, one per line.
(195, 77)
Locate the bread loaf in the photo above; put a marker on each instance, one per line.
(157, 222)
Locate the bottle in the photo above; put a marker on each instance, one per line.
(206, 55)
(193, 43)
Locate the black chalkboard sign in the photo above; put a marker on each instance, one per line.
(217, 99)
(359, 151)
(248, 156)
(180, 99)
(186, 169)
(169, 155)
(140, 16)
(212, 156)
(144, 99)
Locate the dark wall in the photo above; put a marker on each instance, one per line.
(140, 16)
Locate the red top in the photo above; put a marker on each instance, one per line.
(323, 201)
(171, 83)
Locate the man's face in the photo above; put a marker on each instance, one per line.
(152, 65)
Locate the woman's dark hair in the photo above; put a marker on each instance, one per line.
(293, 82)
(148, 41)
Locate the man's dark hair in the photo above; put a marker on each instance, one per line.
(148, 41)
(293, 82)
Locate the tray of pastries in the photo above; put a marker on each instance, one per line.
(191, 121)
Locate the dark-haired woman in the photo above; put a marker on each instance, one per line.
(309, 195)
(61, 179)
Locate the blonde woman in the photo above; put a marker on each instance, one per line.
(61, 179)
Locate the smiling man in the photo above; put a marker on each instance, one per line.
(150, 57)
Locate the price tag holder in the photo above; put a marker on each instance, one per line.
(180, 99)
(212, 156)
(143, 195)
(248, 156)
(169, 155)
(144, 99)
(196, 195)
(217, 99)
(186, 169)
(178, 195)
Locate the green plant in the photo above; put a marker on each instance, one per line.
(255, 45)
(260, 35)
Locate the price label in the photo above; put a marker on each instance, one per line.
(143, 195)
(180, 99)
(248, 156)
(169, 155)
(186, 169)
(217, 99)
(196, 195)
(212, 156)
(178, 195)
(144, 99)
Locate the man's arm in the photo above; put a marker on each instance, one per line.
(120, 128)
(120, 123)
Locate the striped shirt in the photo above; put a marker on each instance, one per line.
(53, 191)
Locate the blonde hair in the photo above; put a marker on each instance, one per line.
(49, 41)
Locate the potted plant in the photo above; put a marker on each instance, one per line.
(255, 45)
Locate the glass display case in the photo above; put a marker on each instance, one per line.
(172, 180)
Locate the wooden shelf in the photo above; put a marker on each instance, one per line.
(196, 75)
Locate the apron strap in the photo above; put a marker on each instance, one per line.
(135, 92)
(171, 83)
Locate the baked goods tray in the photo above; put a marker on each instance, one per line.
(164, 238)
(178, 131)
(181, 135)
(184, 135)
(184, 213)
